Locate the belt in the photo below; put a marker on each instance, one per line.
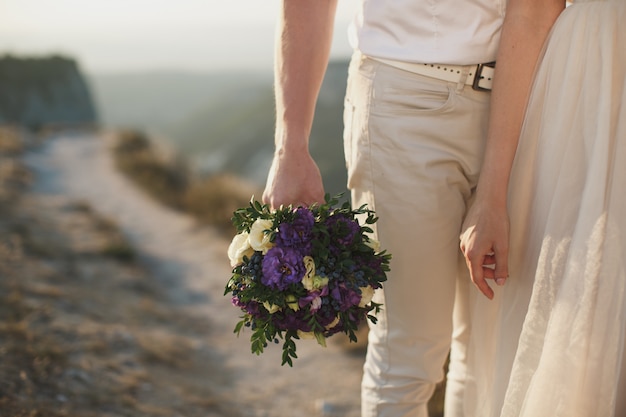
(479, 76)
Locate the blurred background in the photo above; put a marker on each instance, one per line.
(129, 132)
(195, 75)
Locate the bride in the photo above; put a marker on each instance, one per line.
(548, 226)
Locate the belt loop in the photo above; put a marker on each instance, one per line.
(460, 85)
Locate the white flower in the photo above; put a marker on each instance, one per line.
(307, 279)
(313, 335)
(239, 247)
(309, 264)
(310, 281)
(271, 308)
(367, 293)
(332, 323)
(306, 335)
(259, 240)
(316, 303)
(372, 243)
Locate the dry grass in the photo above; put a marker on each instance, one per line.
(166, 349)
(13, 175)
(10, 143)
(210, 200)
(136, 157)
(213, 200)
(78, 337)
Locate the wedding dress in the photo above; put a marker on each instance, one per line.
(552, 341)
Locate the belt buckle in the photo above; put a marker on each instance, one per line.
(478, 76)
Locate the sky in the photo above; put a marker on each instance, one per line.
(112, 36)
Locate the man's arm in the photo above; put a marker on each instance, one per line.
(303, 40)
(485, 238)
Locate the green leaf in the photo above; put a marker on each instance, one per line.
(289, 348)
(320, 339)
(239, 326)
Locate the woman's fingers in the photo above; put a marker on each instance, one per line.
(479, 272)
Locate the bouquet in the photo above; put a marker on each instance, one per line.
(304, 272)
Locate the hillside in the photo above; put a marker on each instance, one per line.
(154, 101)
(222, 122)
(235, 133)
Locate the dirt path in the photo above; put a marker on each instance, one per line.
(191, 261)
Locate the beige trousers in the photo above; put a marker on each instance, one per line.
(413, 149)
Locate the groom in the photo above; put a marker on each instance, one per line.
(415, 122)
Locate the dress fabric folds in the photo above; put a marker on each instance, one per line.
(551, 343)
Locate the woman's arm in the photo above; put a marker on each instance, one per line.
(485, 236)
(303, 40)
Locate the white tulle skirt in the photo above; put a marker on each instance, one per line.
(552, 342)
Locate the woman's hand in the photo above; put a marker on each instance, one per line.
(485, 245)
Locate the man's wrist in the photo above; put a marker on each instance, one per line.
(291, 147)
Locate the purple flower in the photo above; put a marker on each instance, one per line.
(314, 298)
(297, 233)
(292, 320)
(354, 317)
(251, 307)
(342, 229)
(281, 267)
(373, 266)
(327, 316)
(345, 297)
(237, 302)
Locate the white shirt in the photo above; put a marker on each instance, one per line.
(461, 32)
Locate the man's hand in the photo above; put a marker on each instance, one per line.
(294, 178)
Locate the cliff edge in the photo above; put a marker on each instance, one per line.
(43, 91)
